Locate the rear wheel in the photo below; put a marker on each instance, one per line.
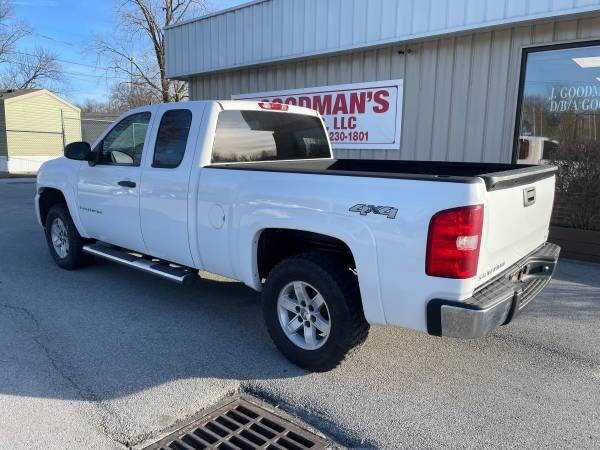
(64, 241)
(313, 311)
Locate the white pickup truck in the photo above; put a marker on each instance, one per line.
(250, 191)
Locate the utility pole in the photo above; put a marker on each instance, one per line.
(131, 61)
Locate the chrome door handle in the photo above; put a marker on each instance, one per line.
(127, 183)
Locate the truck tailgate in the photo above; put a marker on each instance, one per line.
(516, 218)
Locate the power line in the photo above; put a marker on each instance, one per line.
(76, 73)
(53, 39)
(43, 36)
(66, 61)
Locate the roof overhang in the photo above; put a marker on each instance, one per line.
(273, 31)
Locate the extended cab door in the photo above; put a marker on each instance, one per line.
(165, 182)
(108, 192)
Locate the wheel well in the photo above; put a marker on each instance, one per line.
(277, 244)
(48, 198)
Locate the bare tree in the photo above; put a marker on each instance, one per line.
(89, 105)
(11, 29)
(124, 97)
(20, 70)
(40, 69)
(138, 46)
(577, 187)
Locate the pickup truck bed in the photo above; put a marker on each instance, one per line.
(495, 176)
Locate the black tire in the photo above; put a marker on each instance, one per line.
(339, 287)
(75, 256)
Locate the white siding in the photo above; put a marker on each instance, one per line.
(274, 30)
(460, 92)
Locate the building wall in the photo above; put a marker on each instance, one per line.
(34, 126)
(460, 92)
(268, 30)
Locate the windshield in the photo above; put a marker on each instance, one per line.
(245, 136)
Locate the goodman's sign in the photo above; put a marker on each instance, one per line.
(358, 116)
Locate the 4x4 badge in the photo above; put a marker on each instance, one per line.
(363, 209)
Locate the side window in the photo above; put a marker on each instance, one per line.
(124, 144)
(172, 138)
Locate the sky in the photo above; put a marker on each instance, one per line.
(67, 27)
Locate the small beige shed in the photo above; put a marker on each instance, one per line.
(35, 124)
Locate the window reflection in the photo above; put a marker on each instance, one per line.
(245, 136)
(561, 99)
(124, 144)
(560, 124)
(171, 139)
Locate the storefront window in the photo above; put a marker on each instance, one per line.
(559, 124)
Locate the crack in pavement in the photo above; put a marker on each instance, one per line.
(84, 394)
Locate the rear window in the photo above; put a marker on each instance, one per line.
(245, 136)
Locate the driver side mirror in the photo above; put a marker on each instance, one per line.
(79, 151)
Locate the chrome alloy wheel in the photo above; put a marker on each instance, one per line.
(303, 315)
(60, 239)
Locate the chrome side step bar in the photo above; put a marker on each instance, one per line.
(178, 274)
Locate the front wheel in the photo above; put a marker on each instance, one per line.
(64, 241)
(313, 311)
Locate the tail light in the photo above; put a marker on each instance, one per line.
(273, 106)
(453, 242)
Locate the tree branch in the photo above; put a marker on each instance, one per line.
(146, 19)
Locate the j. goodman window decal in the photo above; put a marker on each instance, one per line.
(559, 124)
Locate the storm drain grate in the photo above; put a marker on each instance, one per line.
(240, 425)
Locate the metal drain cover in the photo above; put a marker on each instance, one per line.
(243, 425)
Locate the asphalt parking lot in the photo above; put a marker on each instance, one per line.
(107, 357)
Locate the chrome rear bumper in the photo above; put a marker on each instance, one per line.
(497, 303)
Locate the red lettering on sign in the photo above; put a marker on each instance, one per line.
(381, 99)
(351, 122)
(322, 104)
(290, 101)
(357, 102)
(340, 106)
(304, 101)
(344, 123)
(276, 100)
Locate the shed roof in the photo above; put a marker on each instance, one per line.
(10, 96)
(270, 31)
(12, 93)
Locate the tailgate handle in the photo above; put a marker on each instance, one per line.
(528, 196)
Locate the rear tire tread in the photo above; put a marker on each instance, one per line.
(335, 273)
